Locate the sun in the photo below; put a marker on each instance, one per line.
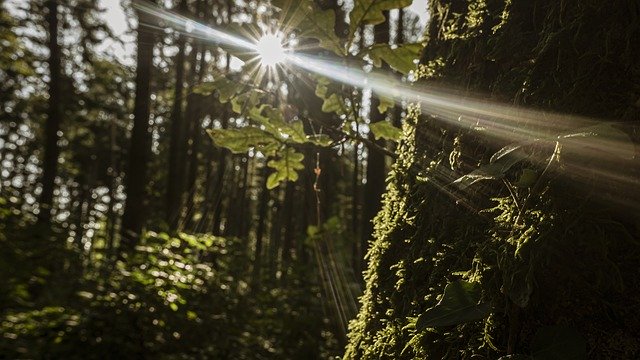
(270, 50)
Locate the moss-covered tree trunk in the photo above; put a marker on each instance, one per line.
(554, 254)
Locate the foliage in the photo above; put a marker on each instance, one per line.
(175, 297)
(270, 127)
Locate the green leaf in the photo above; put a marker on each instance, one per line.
(459, 304)
(332, 104)
(400, 58)
(205, 89)
(225, 87)
(246, 100)
(173, 306)
(558, 342)
(328, 92)
(312, 230)
(370, 12)
(385, 104)
(241, 140)
(313, 22)
(286, 168)
(527, 178)
(385, 130)
(273, 121)
(500, 163)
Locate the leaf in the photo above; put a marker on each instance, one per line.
(312, 230)
(225, 87)
(401, 58)
(527, 178)
(241, 140)
(273, 121)
(385, 104)
(314, 23)
(370, 12)
(459, 304)
(205, 89)
(246, 100)
(332, 104)
(601, 138)
(558, 342)
(286, 168)
(326, 90)
(173, 306)
(385, 130)
(502, 161)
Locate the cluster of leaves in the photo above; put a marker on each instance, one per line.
(275, 135)
(174, 297)
(271, 134)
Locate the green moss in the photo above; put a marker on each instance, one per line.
(552, 257)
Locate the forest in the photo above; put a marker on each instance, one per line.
(320, 179)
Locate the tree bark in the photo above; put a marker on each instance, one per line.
(54, 116)
(133, 219)
(175, 178)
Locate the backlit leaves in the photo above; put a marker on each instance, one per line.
(385, 130)
(312, 22)
(286, 168)
(273, 121)
(385, 104)
(399, 57)
(226, 88)
(371, 12)
(239, 141)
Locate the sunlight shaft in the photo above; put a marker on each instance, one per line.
(191, 28)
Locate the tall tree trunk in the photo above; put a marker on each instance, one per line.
(133, 219)
(374, 187)
(289, 227)
(54, 116)
(175, 178)
(356, 251)
(400, 39)
(263, 206)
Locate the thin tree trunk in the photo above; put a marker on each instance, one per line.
(357, 252)
(289, 227)
(263, 206)
(134, 217)
(54, 116)
(175, 178)
(400, 39)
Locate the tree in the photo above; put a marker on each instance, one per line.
(175, 177)
(133, 219)
(54, 115)
(501, 244)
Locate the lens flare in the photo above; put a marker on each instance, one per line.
(604, 154)
(271, 50)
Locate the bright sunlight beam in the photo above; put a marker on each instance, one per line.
(270, 50)
(500, 123)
